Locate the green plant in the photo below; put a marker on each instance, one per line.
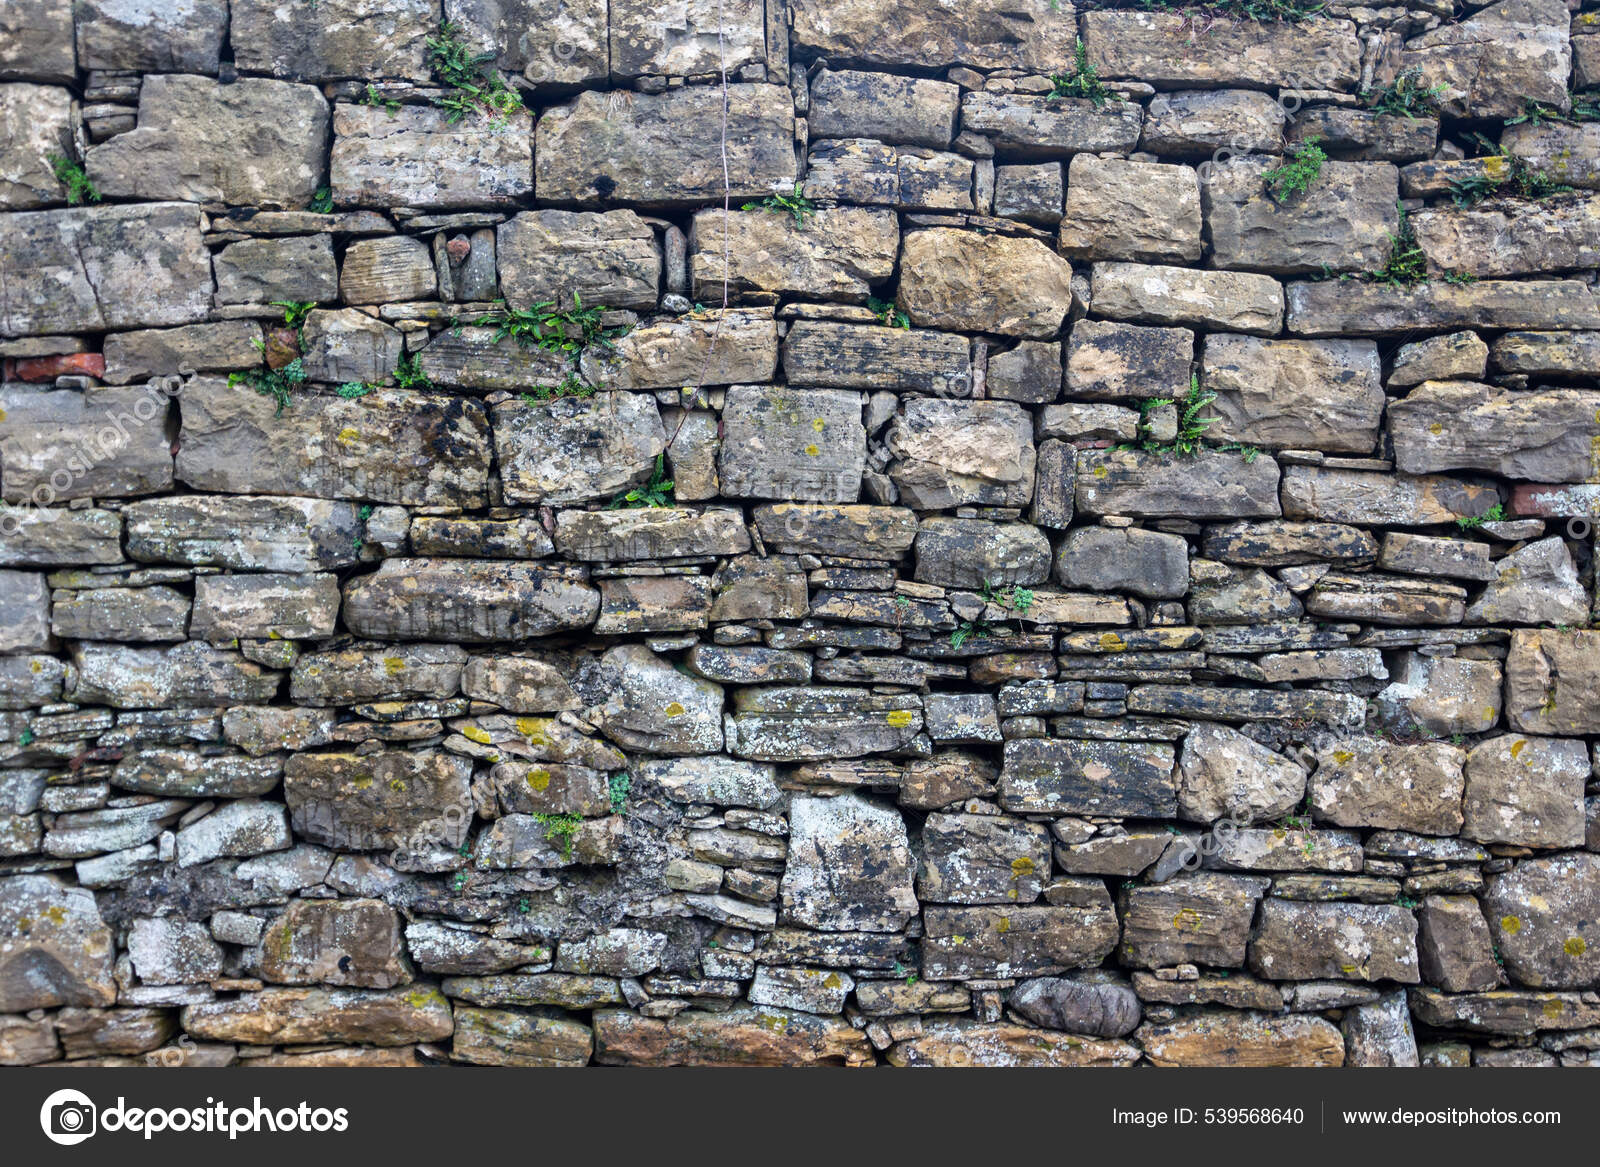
(1407, 265)
(377, 100)
(795, 204)
(295, 311)
(1083, 81)
(322, 202)
(477, 87)
(25, 738)
(353, 389)
(1495, 514)
(408, 375)
(363, 514)
(459, 881)
(1504, 173)
(277, 384)
(967, 629)
(571, 385)
(1298, 173)
(1190, 438)
(1460, 278)
(72, 176)
(1407, 902)
(618, 787)
(888, 313)
(524, 905)
(1406, 96)
(559, 829)
(544, 326)
(655, 493)
(1535, 113)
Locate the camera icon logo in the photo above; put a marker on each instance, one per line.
(68, 1117)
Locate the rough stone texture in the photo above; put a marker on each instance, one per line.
(586, 153)
(838, 255)
(389, 446)
(95, 268)
(1369, 782)
(1341, 222)
(416, 157)
(364, 39)
(1493, 61)
(1139, 211)
(1163, 48)
(1294, 394)
(1546, 436)
(568, 257)
(1059, 606)
(1025, 36)
(1542, 918)
(255, 142)
(575, 449)
(1227, 301)
(960, 280)
(1550, 681)
(1526, 791)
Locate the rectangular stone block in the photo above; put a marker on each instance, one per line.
(248, 534)
(417, 157)
(610, 260)
(392, 445)
(983, 942)
(805, 445)
(1154, 294)
(270, 607)
(577, 449)
(1212, 485)
(1168, 50)
(1357, 308)
(1064, 776)
(90, 269)
(65, 444)
(662, 150)
(468, 600)
(831, 355)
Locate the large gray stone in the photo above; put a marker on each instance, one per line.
(662, 149)
(42, 116)
(90, 269)
(575, 449)
(954, 453)
(392, 445)
(468, 600)
(368, 40)
(253, 143)
(56, 949)
(417, 157)
(249, 534)
(611, 259)
(65, 444)
(1343, 221)
(782, 443)
(1547, 436)
(1294, 394)
(964, 281)
(850, 866)
(1030, 35)
(1497, 59)
(840, 253)
(1168, 49)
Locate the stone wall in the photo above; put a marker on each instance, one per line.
(1121, 589)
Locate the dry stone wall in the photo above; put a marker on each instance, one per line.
(825, 531)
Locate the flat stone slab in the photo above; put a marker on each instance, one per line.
(90, 269)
